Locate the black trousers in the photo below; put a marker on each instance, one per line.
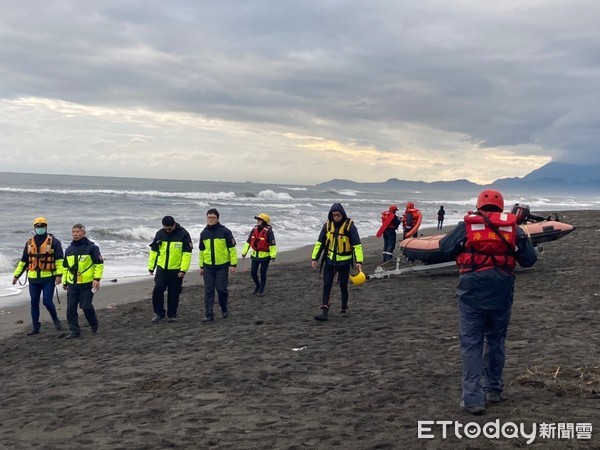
(215, 279)
(166, 280)
(329, 272)
(389, 244)
(264, 266)
(82, 297)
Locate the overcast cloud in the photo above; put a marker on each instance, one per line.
(299, 92)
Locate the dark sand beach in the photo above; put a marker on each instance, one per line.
(359, 382)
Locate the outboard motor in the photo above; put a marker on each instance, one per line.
(521, 211)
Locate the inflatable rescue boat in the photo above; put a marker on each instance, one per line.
(426, 249)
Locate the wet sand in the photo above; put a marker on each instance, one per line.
(359, 382)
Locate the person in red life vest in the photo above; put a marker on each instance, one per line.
(261, 242)
(486, 245)
(43, 260)
(411, 220)
(389, 234)
(339, 246)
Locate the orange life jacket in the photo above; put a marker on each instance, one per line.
(259, 240)
(384, 217)
(41, 258)
(415, 213)
(484, 249)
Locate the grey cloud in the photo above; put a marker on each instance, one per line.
(526, 74)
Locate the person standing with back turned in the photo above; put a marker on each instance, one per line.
(170, 256)
(43, 260)
(487, 246)
(340, 242)
(389, 234)
(440, 215)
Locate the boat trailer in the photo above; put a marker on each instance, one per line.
(380, 272)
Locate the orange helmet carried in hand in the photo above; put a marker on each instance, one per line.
(490, 197)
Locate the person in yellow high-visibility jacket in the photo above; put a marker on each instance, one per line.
(170, 256)
(83, 267)
(217, 258)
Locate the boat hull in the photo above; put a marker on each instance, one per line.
(427, 249)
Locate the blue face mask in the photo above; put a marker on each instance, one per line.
(40, 231)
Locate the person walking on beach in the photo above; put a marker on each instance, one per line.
(170, 257)
(411, 220)
(440, 214)
(339, 245)
(264, 250)
(487, 245)
(217, 258)
(83, 268)
(42, 258)
(389, 234)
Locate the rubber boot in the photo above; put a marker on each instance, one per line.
(35, 329)
(324, 316)
(57, 324)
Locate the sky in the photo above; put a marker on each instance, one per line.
(299, 92)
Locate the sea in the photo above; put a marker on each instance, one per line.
(122, 215)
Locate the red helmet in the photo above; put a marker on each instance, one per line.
(490, 197)
(410, 205)
(393, 208)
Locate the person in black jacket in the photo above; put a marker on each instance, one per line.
(440, 216)
(217, 258)
(83, 267)
(170, 256)
(339, 244)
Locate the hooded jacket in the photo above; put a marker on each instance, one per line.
(339, 240)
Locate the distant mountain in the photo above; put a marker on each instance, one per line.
(402, 185)
(554, 177)
(571, 173)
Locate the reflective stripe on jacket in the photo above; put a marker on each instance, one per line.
(262, 242)
(41, 261)
(217, 247)
(340, 242)
(171, 251)
(83, 263)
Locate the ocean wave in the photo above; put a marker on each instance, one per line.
(346, 192)
(295, 188)
(272, 195)
(6, 264)
(125, 193)
(139, 233)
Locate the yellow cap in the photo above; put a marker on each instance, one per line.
(40, 221)
(264, 217)
(358, 279)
